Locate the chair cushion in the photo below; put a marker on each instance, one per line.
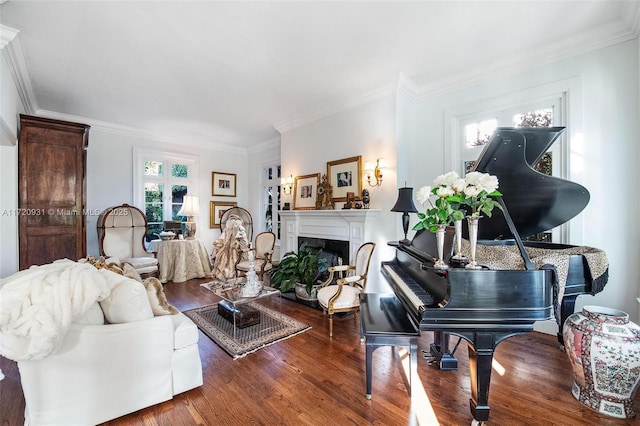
(349, 297)
(141, 262)
(257, 265)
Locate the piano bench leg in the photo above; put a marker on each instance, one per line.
(375, 341)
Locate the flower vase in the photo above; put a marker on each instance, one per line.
(604, 350)
(440, 233)
(458, 257)
(473, 241)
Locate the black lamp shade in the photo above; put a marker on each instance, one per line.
(405, 201)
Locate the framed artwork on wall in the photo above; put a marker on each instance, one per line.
(305, 191)
(345, 176)
(216, 210)
(223, 184)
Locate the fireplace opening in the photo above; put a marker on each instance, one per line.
(329, 249)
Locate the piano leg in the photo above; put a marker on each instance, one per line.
(480, 360)
(567, 306)
(439, 351)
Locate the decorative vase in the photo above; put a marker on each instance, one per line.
(473, 241)
(440, 232)
(604, 350)
(458, 256)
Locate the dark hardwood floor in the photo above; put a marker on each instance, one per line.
(311, 379)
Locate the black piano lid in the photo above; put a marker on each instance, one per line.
(536, 202)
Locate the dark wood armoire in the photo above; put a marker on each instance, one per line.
(51, 190)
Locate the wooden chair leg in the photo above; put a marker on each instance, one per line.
(330, 325)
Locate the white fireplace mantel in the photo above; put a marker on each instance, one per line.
(355, 226)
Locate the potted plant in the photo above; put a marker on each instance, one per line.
(299, 269)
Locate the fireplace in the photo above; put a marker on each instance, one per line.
(332, 250)
(353, 227)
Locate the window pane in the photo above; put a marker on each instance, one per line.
(539, 118)
(153, 168)
(478, 134)
(268, 216)
(177, 195)
(179, 170)
(153, 193)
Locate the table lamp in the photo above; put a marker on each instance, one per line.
(190, 208)
(406, 206)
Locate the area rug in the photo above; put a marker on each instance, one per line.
(274, 327)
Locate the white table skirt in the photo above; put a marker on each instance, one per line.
(182, 260)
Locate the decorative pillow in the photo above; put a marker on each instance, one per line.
(100, 263)
(130, 272)
(157, 298)
(127, 302)
(92, 316)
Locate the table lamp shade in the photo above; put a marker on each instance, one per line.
(190, 208)
(405, 201)
(406, 206)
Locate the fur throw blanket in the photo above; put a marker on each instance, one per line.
(37, 305)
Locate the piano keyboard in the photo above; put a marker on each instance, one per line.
(415, 294)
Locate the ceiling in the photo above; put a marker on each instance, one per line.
(233, 73)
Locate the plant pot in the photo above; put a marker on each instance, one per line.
(301, 292)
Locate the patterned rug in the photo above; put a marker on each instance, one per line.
(273, 327)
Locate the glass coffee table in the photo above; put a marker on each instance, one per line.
(236, 307)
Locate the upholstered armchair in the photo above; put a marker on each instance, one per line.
(344, 295)
(121, 233)
(262, 253)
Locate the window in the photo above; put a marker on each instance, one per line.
(271, 198)
(161, 180)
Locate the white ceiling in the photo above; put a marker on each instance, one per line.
(230, 73)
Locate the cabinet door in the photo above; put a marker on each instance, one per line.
(51, 221)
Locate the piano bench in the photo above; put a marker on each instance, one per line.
(385, 322)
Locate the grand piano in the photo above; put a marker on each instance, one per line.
(489, 305)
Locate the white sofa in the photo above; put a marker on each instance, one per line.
(101, 372)
(128, 351)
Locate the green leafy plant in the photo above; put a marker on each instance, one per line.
(303, 266)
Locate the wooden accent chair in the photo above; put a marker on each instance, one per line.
(262, 251)
(344, 295)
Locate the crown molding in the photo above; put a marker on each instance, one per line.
(267, 145)
(14, 54)
(335, 108)
(7, 34)
(135, 132)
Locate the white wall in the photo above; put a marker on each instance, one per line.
(10, 108)
(110, 178)
(368, 130)
(604, 111)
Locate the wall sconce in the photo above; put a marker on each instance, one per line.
(287, 184)
(374, 172)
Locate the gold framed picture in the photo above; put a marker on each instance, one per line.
(345, 176)
(223, 184)
(216, 210)
(305, 191)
